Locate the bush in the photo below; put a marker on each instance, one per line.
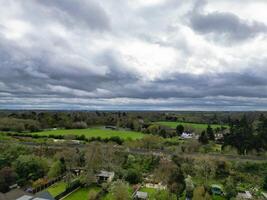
(265, 183)
(7, 178)
(133, 176)
(30, 167)
(79, 125)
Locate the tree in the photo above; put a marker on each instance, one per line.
(164, 170)
(200, 193)
(179, 129)
(210, 133)
(56, 169)
(189, 187)
(265, 183)
(151, 142)
(133, 176)
(30, 167)
(262, 132)
(205, 168)
(153, 129)
(7, 178)
(203, 138)
(79, 125)
(222, 169)
(88, 178)
(163, 133)
(241, 136)
(176, 182)
(120, 190)
(230, 189)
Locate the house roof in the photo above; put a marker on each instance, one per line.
(245, 195)
(106, 174)
(44, 195)
(18, 194)
(14, 194)
(141, 195)
(25, 197)
(216, 186)
(2, 196)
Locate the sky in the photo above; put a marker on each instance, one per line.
(133, 54)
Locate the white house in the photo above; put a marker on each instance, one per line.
(187, 135)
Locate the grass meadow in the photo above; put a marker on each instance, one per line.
(95, 132)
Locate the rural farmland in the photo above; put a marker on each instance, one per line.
(94, 132)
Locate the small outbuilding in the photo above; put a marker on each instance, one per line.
(216, 189)
(140, 195)
(244, 195)
(264, 195)
(105, 176)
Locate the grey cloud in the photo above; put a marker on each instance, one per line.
(224, 26)
(71, 13)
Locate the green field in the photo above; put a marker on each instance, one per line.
(57, 188)
(4, 137)
(153, 193)
(195, 126)
(82, 193)
(95, 132)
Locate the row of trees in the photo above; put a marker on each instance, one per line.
(246, 136)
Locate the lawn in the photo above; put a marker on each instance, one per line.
(150, 191)
(4, 137)
(95, 132)
(199, 127)
(57, 188)
(109, 196)
(82, 193)
(216, 197)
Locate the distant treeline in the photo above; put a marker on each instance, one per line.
(32, 121)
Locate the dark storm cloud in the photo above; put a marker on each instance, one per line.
(37, 76)
(200, 86)
(224, 26)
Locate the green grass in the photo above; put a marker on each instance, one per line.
(82, 193)
(4, 137)
(109, 196)
(95, 132)
(57, 188)
(199, 127)
(150, 191)
(216, 197)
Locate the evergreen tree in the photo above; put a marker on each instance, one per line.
(265, 183)
(262, 132)
(179, 129)
(210, 133)
(203, 138)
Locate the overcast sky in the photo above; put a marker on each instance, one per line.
(133, 54)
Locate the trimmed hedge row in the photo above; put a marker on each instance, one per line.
(115, 139)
